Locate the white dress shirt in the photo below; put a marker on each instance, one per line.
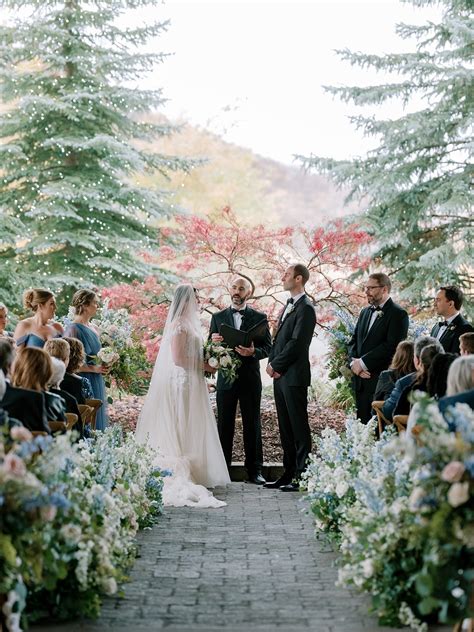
(444, 327)
(287, 308)
(238, 316)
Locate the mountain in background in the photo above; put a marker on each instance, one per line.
(258, 189)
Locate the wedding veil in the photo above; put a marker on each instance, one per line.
(176, 418)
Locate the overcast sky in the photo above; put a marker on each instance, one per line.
(253, 71)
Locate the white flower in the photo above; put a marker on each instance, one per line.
(458, 494)
(457, 593)
(225, 360)
(108, 356)
(109, 586)
(213, 362)
(71, 532)
(415, 498)
(341, 489)
(367, 568)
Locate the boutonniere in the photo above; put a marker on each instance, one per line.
(452, 327)
(291, 308)
(379, 314)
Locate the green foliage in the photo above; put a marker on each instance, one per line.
(342, 394)
(70, 208)
(417, 183)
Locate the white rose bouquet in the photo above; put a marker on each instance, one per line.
(223, 359)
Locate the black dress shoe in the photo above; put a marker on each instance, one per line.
(291, 487)
(257, 479)
(278, 483)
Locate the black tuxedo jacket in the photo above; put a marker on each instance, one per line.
(27, 406)
(450, 338)
(376, 348)
(290, 351)
(73, 385)
(250, 367)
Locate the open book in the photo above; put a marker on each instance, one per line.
(237, 337)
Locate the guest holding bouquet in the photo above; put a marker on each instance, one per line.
(35, 330)
(85, 304)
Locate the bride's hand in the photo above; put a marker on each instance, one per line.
(208, 368)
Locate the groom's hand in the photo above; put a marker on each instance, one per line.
(245, 351)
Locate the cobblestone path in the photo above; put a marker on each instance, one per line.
(251, 566)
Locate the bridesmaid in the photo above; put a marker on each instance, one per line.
(35, 330)
(85, 303)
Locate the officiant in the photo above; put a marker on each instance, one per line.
(246, 390)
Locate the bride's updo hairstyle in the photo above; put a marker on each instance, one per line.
(81, 299)
(184, 298)
(34, 297)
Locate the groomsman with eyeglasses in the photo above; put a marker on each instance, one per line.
(448, 303)
(380, 327)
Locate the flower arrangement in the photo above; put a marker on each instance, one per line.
(69, 515)
(401, 512)
(338, 361)
(223, 359)
(122, 352)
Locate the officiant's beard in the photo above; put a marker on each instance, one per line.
(238, 300)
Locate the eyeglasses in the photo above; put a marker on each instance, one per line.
(372, 287)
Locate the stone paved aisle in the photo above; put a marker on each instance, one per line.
(253, 565)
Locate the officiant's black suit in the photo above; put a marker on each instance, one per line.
(289, 356)
(376, 348)
(450, 338)
(245, 390)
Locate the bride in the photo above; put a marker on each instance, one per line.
(177, 418)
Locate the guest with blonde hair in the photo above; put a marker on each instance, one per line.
(79, 387)
(58, 348)
(35, 330)
(3, 322)
(460, 384)
(466, 343)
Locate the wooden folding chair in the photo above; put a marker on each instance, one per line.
(95, 404)
(381, 419)
(72, 419)
(39, 433)
(57, 426)
(400, 422)
(86, 413)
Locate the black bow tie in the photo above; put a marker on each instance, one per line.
(375, 309)
(237, 311)
(443, 323)
(290, 301)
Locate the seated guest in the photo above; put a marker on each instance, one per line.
(402, 364)
(74, 384)
(437, 378)
(58, 348)
(35, 330)
(448, 303)
(7, 355)
(407, 380)
(3, 322)
(420, 383)
(460, 388)
(24, 399)
(466, 343)
(70, 402)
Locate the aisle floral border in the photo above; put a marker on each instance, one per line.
(70, 513)
(401, 513)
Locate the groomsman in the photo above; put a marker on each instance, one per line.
(290, 369)
(246, 390)
(448, 302)
(379, 329)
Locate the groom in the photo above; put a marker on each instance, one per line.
(247, 388)
(290, 369)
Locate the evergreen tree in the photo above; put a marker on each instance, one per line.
(417, 183)
(71, 210)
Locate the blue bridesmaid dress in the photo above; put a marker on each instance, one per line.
(31, 340)
(92, 346)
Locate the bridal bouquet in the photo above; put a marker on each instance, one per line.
(222, 359)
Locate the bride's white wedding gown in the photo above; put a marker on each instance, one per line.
(177, 418)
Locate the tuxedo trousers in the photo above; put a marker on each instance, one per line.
(248, 394)
(292, 410)
(364, 396)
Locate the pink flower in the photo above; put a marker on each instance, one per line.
(13, 465)
(453, 472)
(20, 433)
